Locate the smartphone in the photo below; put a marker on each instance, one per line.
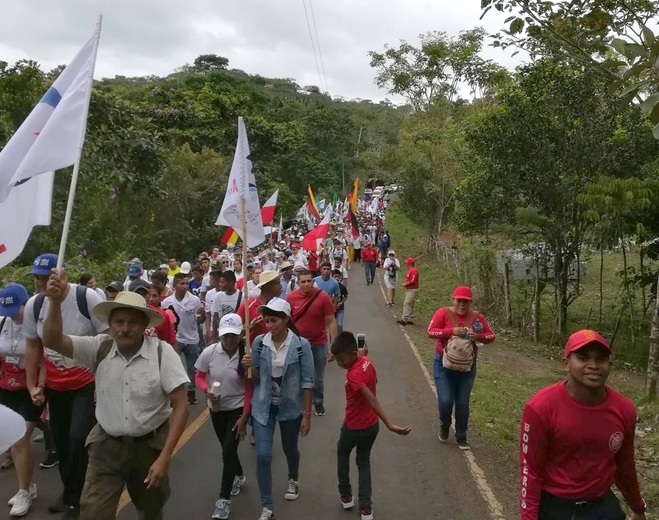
(361, 340)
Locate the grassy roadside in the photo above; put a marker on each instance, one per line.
(512, 369)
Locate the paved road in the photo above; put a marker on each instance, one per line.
(414, 477)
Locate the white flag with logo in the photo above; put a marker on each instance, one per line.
(242, 186)
(28, 205)
(51, 136)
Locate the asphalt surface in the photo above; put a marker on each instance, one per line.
(414, 477)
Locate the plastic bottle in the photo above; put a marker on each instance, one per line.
(215, 388)
(478, 326)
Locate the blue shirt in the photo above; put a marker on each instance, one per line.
(194, 287)
(331, 286)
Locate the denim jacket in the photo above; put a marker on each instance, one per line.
(298, 376)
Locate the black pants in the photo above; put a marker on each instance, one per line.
(604, 508)
(223, 422)
(362, 440)
(358, 255)
(72, 416)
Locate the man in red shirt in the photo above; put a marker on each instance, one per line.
(362, 421)
(312, 313)
(411, 286)
(165, 331)
(369, 257)
(577, 440)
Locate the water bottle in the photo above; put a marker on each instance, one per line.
(478, 326)
(215, 388)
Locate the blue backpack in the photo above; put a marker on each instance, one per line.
(81, 300)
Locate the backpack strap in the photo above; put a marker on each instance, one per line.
(2, 323)
(453, 317)
(103, 350)
(81, 300)
(38, 305)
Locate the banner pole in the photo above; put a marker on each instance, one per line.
(248, 346)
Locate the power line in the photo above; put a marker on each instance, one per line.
(320, 52)
(313, 45)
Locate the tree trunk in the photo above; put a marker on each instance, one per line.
(653, 358)
(601, 295)
(506, 294)
(630, 299)
(535, 307)
(561, 267)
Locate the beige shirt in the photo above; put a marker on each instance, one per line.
(132, 396)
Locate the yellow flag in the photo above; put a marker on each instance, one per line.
(354, 196)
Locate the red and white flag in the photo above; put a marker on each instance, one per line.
(268, 209)
(313, 238)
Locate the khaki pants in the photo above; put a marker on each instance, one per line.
(408, 304)
(115, 462)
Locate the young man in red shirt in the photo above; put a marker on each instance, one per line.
(313, 313)
(369, 257)
(577, 440)
(362, 422)
(411, 286)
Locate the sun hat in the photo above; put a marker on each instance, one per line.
(266, 277)
(582, 338)
(134, 270)
(462, 292)
(230, 324)
(285, 265)
(44, 264)
(410, 261)
(127, 300)
(12, 297)
(138, 284)
(186, 268)
(277, 305)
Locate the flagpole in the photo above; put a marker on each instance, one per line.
(245, 288)
(76, 165)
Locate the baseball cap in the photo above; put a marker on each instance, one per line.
(409, 261)
(230, 324)
(462, 292)
(186, 268)
(279, 254)
(163, 266)
(44, 264)
(267, 277)
(134, 270)
(115, 287)
(138, 284)
(277, 305)
(582, 338)
(12, 297)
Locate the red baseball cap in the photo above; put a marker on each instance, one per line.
(462, 292)
(582, 338)
(410, 261)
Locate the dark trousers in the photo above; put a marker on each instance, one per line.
(453, 388)
(358, 255)
(223, 422)
(72, 416)
(362, 440)
(604, 508)
(369, 268)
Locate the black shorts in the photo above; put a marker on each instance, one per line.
(21, 402)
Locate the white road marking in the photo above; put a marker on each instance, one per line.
(496, 510)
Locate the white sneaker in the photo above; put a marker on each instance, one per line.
(266, 514)
(33, 495)
(292, 490)
(22, 503)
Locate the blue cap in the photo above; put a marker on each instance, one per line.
(12, 298)
(134, 270)
(44, 264)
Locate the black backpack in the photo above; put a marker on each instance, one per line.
(81, 300)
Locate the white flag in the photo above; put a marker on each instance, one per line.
(52, 135)
(28, 205)
(242, 186)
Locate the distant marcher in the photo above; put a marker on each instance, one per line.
(340, 303)
(369, 257)
(326, 282)
(112, 290)
(391, 266)
(165, 330)
(88, 280)
(577, 441)
(411, 286)
(457, 329)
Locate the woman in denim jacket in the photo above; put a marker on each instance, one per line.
(283, 377)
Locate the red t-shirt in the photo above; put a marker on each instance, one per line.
(165, 331)
(312, 324)
(576, 451)
(412, 278)
(254, 304)
(369, 254)
(240, 284)
(62, 378)
(359, 414)
(313, 261)
(441, 328)
(12, 376)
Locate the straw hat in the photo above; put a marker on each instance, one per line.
(266, 277)
(127, 300)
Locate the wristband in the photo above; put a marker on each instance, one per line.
(306, 414)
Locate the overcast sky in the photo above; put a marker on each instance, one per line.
(266, 37)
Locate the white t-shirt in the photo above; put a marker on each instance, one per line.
(357, 243)
(389, 262)
(344, 271)
(338, 253)
(224, 303)
(12, 343)
(269, 266)
(186, 309)
(210, 296)
(252, 289)
(205, 284)
(219, 367)
(300, 257)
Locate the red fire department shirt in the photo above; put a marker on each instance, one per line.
(441, 328)
(412, 278)
(576, 451)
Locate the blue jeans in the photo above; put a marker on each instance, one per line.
(191, 352)
(339, 319)
(319, 353)
(264, 435)
(369, 268)
(453, 388)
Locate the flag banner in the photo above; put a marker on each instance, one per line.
(321, 205)
(268, 209)
(311, 205)
(354, 196)
(242, 186)
(27, 205)
(354, 226)
(50, 138)
(313, 238)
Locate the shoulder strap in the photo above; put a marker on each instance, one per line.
(160, 354)
(240, 298)
(38, 305)
(81, 299)
(2, 323)
(306, 307)
(103, 351)
(453, 316)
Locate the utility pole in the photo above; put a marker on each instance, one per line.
(343, 175)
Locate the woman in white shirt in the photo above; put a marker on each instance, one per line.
(391, 266)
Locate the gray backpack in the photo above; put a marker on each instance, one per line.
(459, 351)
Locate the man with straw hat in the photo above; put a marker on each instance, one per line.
(137, 378)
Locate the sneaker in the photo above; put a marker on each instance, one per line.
(366, 513)
(464, 445)
(71, 513)
(192, 397)
(57, 507)
(22, 503)
(347, 501)
(51, 459)
(443, 433)
(320, 410)
(33, 495)
(221, 509)
(292, 490)
(266, 514)
(237, 482)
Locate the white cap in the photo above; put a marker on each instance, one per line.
(299, 265)
(276, 305)
(163, 266)
(186, 267)
(391, 252)
(230, 324)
